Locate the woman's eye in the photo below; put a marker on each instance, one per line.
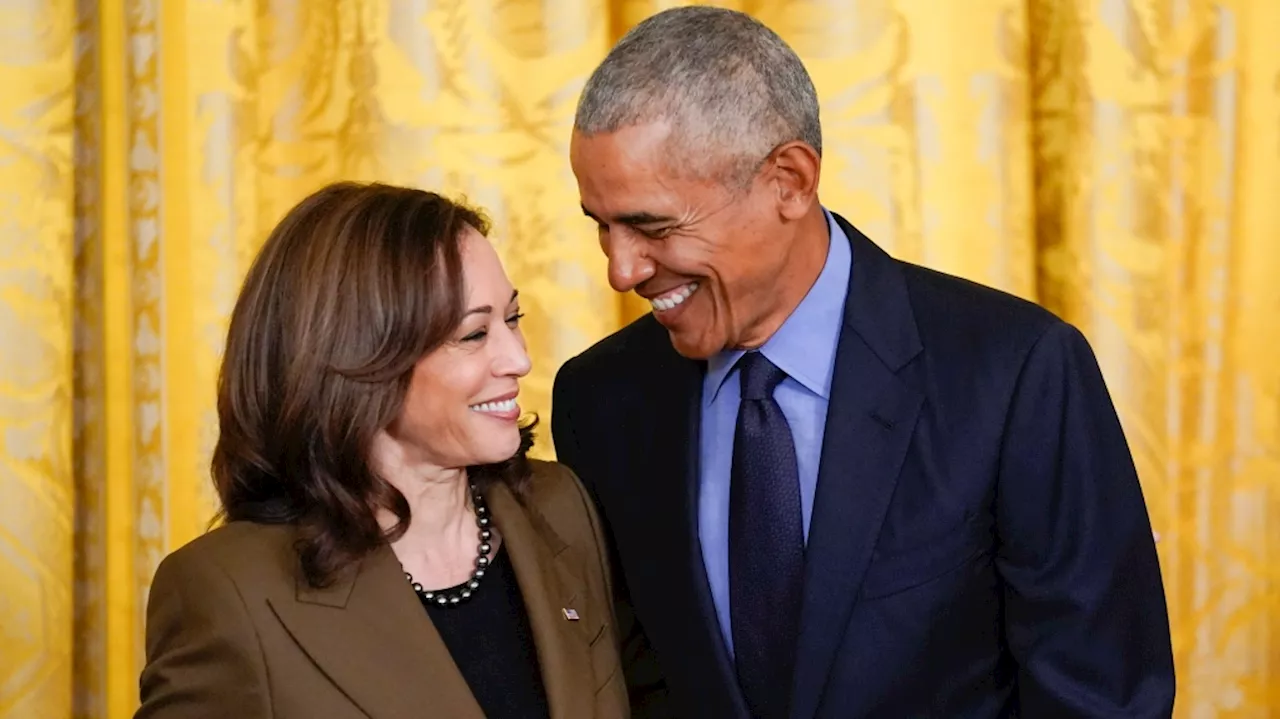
(514, 320)
(475, 336)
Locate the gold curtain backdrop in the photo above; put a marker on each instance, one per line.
(1115, 160)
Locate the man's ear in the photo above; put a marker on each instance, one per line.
(796, 168)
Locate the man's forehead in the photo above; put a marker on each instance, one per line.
(627, 217)
(627, 188)
(632, 146)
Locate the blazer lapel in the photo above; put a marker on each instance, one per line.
(870, 420)
(549, 586)
(371, 636)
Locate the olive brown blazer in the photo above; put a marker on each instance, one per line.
(232, 631)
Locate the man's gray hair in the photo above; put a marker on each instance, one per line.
(730, 87)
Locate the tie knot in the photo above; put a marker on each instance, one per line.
(759, 376)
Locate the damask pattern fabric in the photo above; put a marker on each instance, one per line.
(1115, 160)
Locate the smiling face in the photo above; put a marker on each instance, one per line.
(460, 409)
(715, 263)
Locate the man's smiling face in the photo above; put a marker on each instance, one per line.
(706, 256)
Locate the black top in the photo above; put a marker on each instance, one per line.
(491, 642)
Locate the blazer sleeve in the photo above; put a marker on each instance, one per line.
(203, 655)
(1085, 608)
(646, 685)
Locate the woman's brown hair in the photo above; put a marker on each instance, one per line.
(355, 285)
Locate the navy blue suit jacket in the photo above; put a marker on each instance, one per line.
(979, 546)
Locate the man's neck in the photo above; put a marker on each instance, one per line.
(804, 264)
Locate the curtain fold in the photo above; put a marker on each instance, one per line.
(37, 311)
(1114, 160)
(1157, 136)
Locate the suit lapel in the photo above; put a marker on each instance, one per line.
(549, 587)
(870, 420)
(669, 471)
(372, 638)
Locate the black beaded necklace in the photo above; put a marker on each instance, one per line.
(454, 596)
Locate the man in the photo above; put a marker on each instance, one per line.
(839, 485)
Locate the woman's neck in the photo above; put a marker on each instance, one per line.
(438, 545)
(439, 506)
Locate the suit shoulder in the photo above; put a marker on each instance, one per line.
(557, 494)
(937, 290)
(237, 543)
(639, 340)
(252, 556)
(954, 310)
(553, 488)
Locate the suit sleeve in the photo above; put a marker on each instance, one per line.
(203, 656)
(646, 685)
(1085, 607)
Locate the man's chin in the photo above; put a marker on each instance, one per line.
(691, 346)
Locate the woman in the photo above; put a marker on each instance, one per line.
(389, 550)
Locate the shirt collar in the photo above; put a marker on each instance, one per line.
(805, 345)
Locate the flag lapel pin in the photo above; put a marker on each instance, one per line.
(570, 614)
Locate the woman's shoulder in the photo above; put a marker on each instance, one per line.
(249, 555)
(554, 486)
(557, 494)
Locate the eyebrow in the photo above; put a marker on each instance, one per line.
(631, 218)
(488, 309)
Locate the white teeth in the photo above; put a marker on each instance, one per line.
(671, 299)
(505, 405)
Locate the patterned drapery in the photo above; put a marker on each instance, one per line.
(1115, 160)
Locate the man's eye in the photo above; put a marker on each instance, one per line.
(657, 233)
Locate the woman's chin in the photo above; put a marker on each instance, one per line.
(496, 452)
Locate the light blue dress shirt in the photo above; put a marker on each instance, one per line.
(805, 348)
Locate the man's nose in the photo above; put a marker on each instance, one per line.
(628, 266)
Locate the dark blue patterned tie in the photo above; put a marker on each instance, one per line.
(766, 543)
